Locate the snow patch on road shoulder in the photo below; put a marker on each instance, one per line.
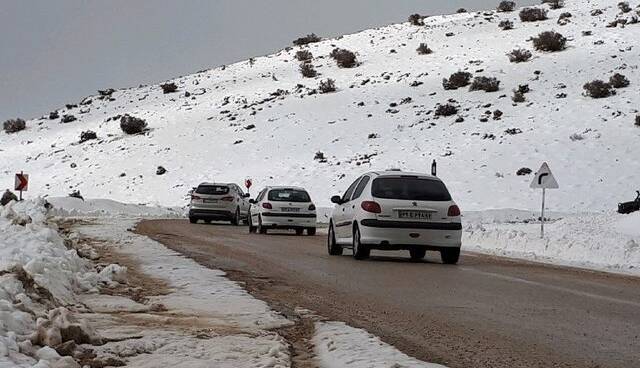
(339, 345)
(197, 290)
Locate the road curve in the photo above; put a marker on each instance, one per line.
(484, 312)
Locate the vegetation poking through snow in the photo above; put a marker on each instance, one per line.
(304, 55)
(487, 84)
(506, 6)
(519, 55)
(132, 125)
(550, 41)
(14, 125)
(307, 70)
(344, 58)
(169, 87)
(619, 81)
(533, 14)
(457, 80)
(305, 40)
(327, 86)
(416, 19)
(423, 49)
(598, 89)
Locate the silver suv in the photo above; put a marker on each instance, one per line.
(218, 201)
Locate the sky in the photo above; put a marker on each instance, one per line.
(57, 52)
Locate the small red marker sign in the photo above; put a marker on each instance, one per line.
(22, 182)
(248, 183)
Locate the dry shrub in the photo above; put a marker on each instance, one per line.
(327, 86)
(14, 125)
(305, 40)
(457, 80)
(533, 14)
(132, 125)
(598, 89)
(519, 55)
(550, 41)
(487, 84)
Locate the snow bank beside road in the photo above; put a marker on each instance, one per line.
(38, 275)
(69, 206)
(600, 241)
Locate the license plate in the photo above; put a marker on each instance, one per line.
(290, 209)
(210, 201)
(414, 215)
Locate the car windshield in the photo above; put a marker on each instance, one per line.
(410, 188)
(289, 195)
(213, 189)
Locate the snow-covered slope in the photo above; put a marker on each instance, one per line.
(232, 126)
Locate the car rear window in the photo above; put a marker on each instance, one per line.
(410, 188)
(213, 189)
(288, 195)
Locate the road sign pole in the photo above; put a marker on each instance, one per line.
(21, 173)
(544, 192)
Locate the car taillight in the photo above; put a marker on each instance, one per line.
(454, 211)
(312, 207)
(267, 205)
(227, 199)
(195, 197)
(371, 206)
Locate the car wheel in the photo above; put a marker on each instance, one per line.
(261, 229)
(299, 231)
(193, 220)
(252, 229)
(332, 246)
(235, 221)
(311, 231)
(360, 251)
(450, 255)
(417, 254)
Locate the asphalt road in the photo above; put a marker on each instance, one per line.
(484, 312)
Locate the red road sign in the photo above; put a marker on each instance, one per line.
(22, 182)
(248, 183)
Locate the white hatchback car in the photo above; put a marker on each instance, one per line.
(218, 201)
(394, 210)
(282, 208)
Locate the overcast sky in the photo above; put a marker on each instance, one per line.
(55, 52)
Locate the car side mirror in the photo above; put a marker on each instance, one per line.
(336, 199)
(247, 195)
(252, 201)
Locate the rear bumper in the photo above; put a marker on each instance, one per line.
(396, 235)
(288, 220)
(210, 214)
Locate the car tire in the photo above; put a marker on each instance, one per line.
(261, 229)
(235, 221)
(450, 255)
(311, 231)
(193, 220)
(333, 247)
(360, 251)
(252, 229)
(417, 254)
(299, 231)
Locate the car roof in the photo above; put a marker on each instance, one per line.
(220, 184)
(398, 173)
(285, 187)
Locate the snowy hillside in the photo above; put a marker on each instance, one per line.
(261, 118)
